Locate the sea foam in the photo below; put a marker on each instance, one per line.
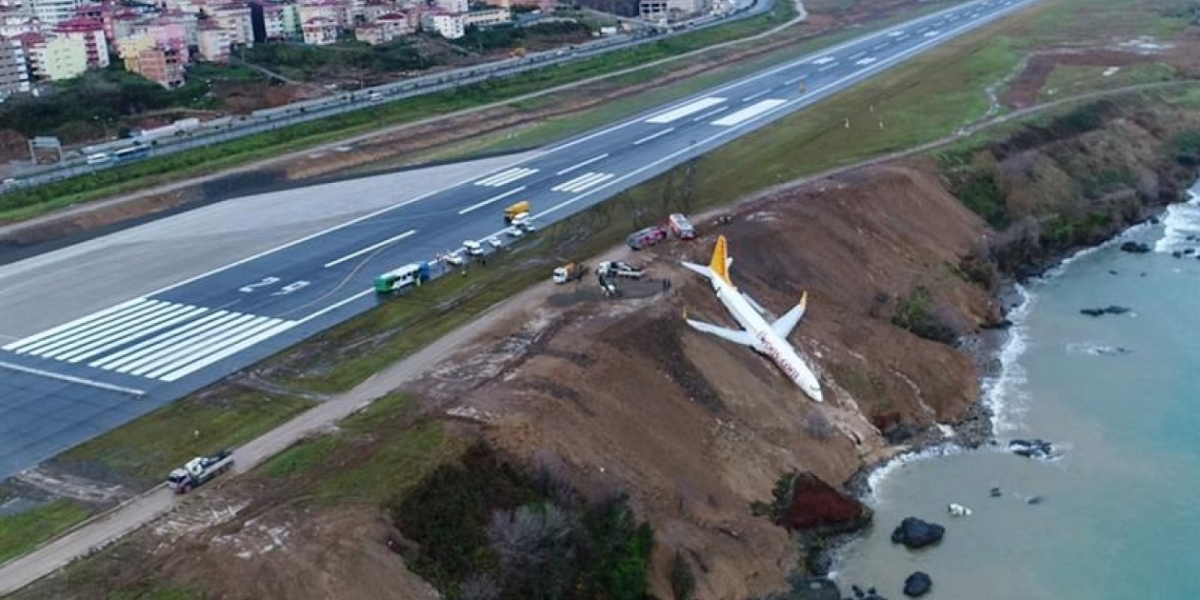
(1181, 220)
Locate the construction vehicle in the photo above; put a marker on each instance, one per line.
(410, 274)
(610, 269)
(569, 272)
(198, 471)
(609, 287)
(519, 208)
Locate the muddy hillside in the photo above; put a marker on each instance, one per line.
(696, 428)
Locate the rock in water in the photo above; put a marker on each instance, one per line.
(917, 584)
(815, 588)
(915, 533)
(1031, 448)
(995, 492)
(818, 506)
(1135, 247)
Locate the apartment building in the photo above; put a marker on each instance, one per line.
(14, 67)
(91, 33)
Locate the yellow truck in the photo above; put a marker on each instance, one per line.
(512, 211)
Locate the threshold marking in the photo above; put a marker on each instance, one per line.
(748, 113)
(686, 110)
(505, 177)
(582, 182)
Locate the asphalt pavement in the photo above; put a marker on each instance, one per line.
(78, 378)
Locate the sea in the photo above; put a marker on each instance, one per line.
(1114, 513)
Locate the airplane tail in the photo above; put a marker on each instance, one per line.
(719, 265)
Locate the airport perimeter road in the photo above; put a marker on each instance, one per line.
(75, 380)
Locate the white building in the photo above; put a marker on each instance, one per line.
(14, 68)
(235, 20)
(53, 11)
(452, 6)
(487, 17)
(444, 24)
(213, 43)
(671, 10)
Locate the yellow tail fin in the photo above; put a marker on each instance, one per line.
(719, 264)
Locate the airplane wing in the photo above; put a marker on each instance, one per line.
(739, 337)
(785, 324)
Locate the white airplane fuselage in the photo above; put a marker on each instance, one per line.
(766, 341)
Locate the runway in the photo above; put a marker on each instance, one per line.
(81, 372)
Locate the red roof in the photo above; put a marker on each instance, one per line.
(80, 24)
(30, 38)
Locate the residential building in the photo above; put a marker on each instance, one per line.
(163, 66)
(14, 25)
(320, 31)
(14, 68)
(670, 10)
(213, 43)
(386, 28)
(91, 33)
(335, 11)
(275, 21)
(57, 58)
(373, 9)
(452, 6)
(487, 17)
(235, 20)
(447, 25)
(169, 35)
(53, 11)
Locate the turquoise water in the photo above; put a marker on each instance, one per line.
(1120, 396)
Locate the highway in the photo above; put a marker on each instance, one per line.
(74, 380)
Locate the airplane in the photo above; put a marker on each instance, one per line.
(769, 339)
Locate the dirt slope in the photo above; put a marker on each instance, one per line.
(696, 428)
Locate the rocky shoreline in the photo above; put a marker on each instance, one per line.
(973, 430)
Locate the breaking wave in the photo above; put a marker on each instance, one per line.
(1181, 221)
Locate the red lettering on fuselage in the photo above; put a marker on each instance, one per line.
(778, 357)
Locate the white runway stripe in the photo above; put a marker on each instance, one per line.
(117, 321)
(228, 340)
(506, 177)
(226, 353)
(151, 338)
(183, 347)
(690, 108)
(747, 113)
(157, 343)
(583, 182)
(71, 325)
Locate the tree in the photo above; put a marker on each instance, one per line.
(535, 545)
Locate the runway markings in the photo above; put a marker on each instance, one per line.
(747, 113)
(582, 164)
(653, 136)
(479, 205)
(827, 67)
(878, 47)
(358, 253)
(795, 80)
(710, 114)
(866, 61)
(756, 96)
(686, 110)
(858, 55)
(823, 60)
(583, 182)
(153, 339)
(897, 33)
(506, 177)
(931, 33)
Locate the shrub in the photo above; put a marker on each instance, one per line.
(914, 312)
